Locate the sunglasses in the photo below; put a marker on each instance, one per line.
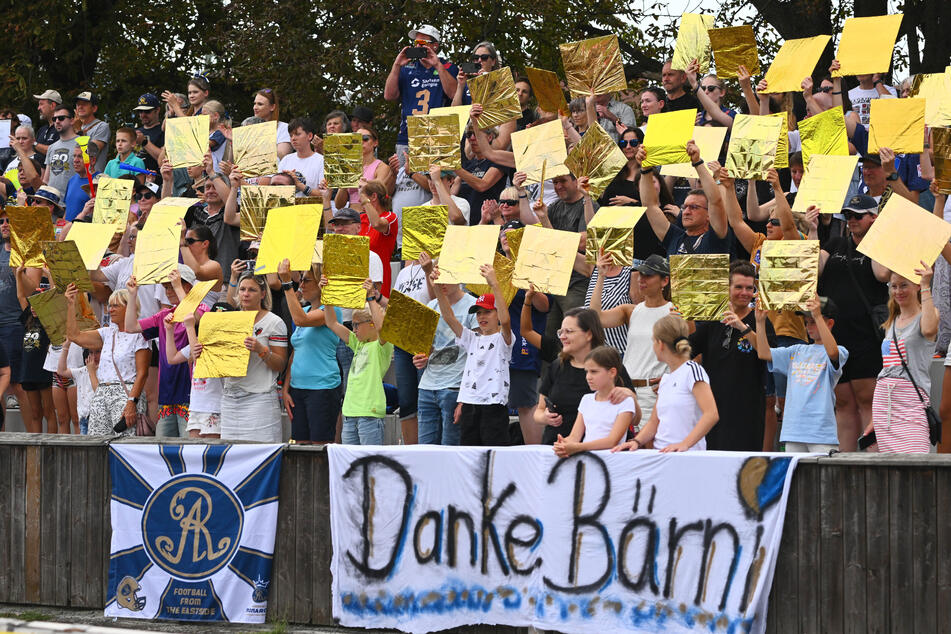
(143, 195)
(774, 221)
(825, 89)
(484, 57)
(367, 137)
(192, 240)
(61, 117)
(507, 201)
(628, 143)
(4, 221)
(710, 88)
(852, 215)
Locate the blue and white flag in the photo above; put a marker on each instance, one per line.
(192, 531)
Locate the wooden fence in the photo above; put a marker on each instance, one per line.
(864, 548)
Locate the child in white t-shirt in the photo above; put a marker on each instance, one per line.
(204, 410)
(600, 423)
(84, 376)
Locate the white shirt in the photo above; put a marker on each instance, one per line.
(127, 344)
(599, 416)
(861, 99)
(485, 381)
(270, 331)
(311, 167)
(151, 296)
(411, 281)
(84, 391)
(677, 409)
(283, 136)
(206, 393)
(73, 359)
(639, 357)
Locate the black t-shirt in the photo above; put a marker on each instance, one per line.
(156, 137)
(47, 135)
(737, 378)
(528, 117)
(853, 324)
(35, 346)
(226, 236)
(685, 101)
(478, 167)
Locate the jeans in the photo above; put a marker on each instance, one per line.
(436, 411)
(171, 426)
(407, 382)
(314, 415)
(362, 430)
(84, 425)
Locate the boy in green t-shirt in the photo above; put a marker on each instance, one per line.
(364, 403)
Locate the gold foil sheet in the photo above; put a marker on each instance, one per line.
(941, 146)
(464, 250)
(788, 274)
(222, 338)
(898, 124)
(30, 227)
(192, 299)
(782, 141)
(346, 263)
(667, 135)
(734, 46)
(186, 140)
(593, 65)
(538, 146)
(867, 44)
(753, 146)
(826, 184)
(794, 61)
(257, 200)
(343, 159)
(504, 269)
(433, 140)
(514, 239)
(409, 325)
(693, 42)
(156, 253)
(903, 236)
(424, 228)
(935, 88)
(113, 198)
(612, 229)
(546, 258)
(92, 240)
(824, 133)
(495, 90)
(255, 149)
(596, 156)
(547, 90)
(344, 291)
(710, 141)
(290, 233)
(700, 285)
(65, 264)
(50, 307)
(460, 112)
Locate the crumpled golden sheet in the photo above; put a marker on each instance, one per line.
(50, 307)
(409, 325)
(547, 90)
(222, 338)
(186, 140)
(464, 251)
(734, 46)
(30, 227)
(255, 149)
(343, 160)
(693, 42)
(824, 133)
(788, 274)
(935, 88)
(495, 90)
(612, 229)
(504, 269)
(433, 140)
(113, 199)
(346, 263)
(898, 124)
(941, 146)
(424, 229)
(66, 265)
(753, 144)
(156, 253)
(256, 201)
(598, 157)
(540, 146)
(700, 285)
(593, 65)
(546, 258)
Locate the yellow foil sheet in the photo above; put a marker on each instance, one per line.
(898, 124)
(186, 140)
(460, 112)
(30, 227)
(433, 140)
(903, 236)
(593, 65)
(596, 156)
(540, 145)
(92, 240)
(495, 90)
(156, 253)
(504, 269)
(734, 46)
(65, 264)
(256, 201)
(753, 146)
(113, 198)
(782, 141)
(935, 88)
(424, 228)
(788, 274)
(794, 62)
(222, 338)
(710, 141)
(192, 299)
(700, 285)
(290, 233)
(941, 146)
(667, 135)
(693, 42)
(546, 258)
(824, 133)
(50, 307)
(346, 262)
(826, 183)
(255, 149)
(612, 229)
(547, 90)
(344, 291)
(464, 250)
(343, 159)
(866, 45)
(409, 325)
(514, 239)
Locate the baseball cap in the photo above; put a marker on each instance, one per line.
(827, 306)
(654, 265)
(874, 159)
(91, 97)
(152, 187)
(861, 204)
(51, 194)
(426, 29)
(486, 301)
(513, 224)
(187, 274)
(346, 214)
(25, 120)
(362, 113)
(148, 101)
(50, 95)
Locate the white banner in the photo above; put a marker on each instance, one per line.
(428, 538)
(192, 531)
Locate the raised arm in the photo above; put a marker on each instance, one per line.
(489, 150)
(898, 185)
(330, 317)
(87, 338)
(232, 215)
(825, 335)
(649, 198)
(173, 355)
(711, 107)
(718, 221)
(526, 328)
(132, 309)
(783, 211)
(762, 343)
(501, 307)
(746, 85)
(445, 309)
(929, 313)
(444, 197)
(734, 214)
(314, 317)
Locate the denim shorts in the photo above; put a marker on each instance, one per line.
(362, 430)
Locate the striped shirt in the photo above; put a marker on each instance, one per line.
(616, 291)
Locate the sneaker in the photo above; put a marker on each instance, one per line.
(12, 402)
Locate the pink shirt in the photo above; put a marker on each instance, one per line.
(369, 171)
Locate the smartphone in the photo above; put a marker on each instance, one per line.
(551, 406)
(416, 52)
(470, 68)
(250, 264)
(867, 440)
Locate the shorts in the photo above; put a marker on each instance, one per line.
(523, 388)
(865, 361)
(63, 382)
(36, 386)
(205, 422)
(484, 425)
(11, 338)
(153, 362)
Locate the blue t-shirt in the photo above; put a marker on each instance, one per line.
(909, 170)
(420, 91)
(524, 355)
(810, 398)
(315, 357)
(113, 170)
(677, 242)
(76, 196)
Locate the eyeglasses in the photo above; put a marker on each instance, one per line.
(507, 201)
(484, 57)
(61, 117)
(628, 143)
(692, 207)
(710, 88)
(852, 215)
(825, 89)
(143, 195)
(359, 323)
(4, 221)
(367, 137)
(564, 332)
(775, 222)
(192, 240)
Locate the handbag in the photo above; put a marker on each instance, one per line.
(934, 421)
(143, 424)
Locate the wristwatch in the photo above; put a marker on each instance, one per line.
(698, 163)
(748, 330)
(892, 177)
(134, 399)
(287, 286)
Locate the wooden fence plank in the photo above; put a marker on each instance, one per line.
(925, 552)
(943, 534)
(32, 541)
(900, 551)
(877, 517)
(854, 550)
(809, 548)
(78, 509)
(783, 616)
(831, 550)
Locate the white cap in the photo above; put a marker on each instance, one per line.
(426, 29)
(187, 274)
(25, 120)
(50, 95)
